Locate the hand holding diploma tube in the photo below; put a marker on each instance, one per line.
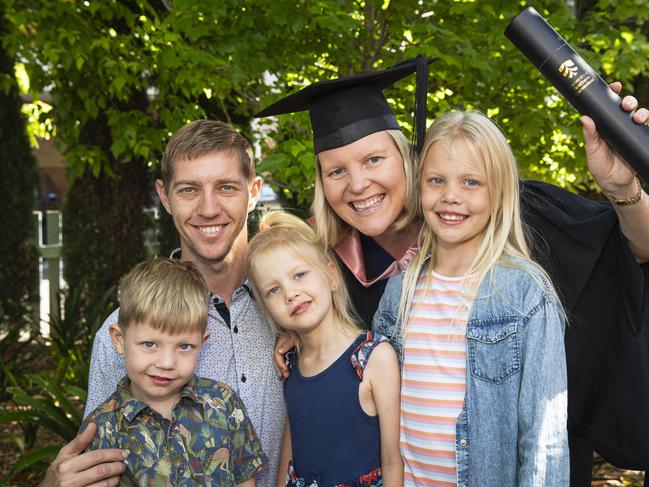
(610, 171)
(622, 129)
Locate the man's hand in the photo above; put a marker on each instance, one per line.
(610, 172)
(72, 468)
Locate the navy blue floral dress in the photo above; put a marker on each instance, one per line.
(335, 443)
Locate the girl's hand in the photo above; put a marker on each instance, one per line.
(610, 172)
(284, 343)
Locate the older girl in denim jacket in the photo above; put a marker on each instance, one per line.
(477, 325)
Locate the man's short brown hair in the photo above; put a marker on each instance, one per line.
(202, 137)
(165, 294)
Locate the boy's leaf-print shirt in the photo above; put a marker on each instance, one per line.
(209, 441)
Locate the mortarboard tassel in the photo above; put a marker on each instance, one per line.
(421, 94)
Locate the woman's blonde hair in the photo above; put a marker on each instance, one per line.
(330, 228)
(278, 229)
(504, 235)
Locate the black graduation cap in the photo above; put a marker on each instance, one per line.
(344, 110)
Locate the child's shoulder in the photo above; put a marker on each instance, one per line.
(516, 277)
(105, 416)
(375, 347)
(107, 410)
(522, 271)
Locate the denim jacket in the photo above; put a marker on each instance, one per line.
(512, 428)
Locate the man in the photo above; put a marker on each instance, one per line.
(209, 187)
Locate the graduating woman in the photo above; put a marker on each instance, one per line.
(365, 208)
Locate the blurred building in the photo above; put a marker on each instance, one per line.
(53, 176)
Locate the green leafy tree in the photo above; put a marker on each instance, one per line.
(477, 68)
(124, 75)
(18, 186)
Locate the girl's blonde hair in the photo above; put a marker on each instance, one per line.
(279, 229)
(504, 235)
(330, 228)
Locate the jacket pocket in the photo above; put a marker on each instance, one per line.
(493, 347)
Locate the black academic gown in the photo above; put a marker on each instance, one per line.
(606, 297)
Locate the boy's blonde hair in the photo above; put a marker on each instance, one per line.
(165, 294)
(330, 228)
(279, 229)
(504, 235)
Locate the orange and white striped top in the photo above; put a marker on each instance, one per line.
(434, 379)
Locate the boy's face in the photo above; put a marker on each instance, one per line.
(158, 364)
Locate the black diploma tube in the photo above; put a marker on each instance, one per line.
(581, 86)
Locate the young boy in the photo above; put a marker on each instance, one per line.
(178, 429)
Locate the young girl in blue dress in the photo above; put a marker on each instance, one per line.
(342, 395)
(477, 325)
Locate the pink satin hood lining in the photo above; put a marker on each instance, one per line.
(351, 253)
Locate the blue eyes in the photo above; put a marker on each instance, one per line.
(190, 190)
(469, 182)
(341, 171)
(185, 347)
(297, 277)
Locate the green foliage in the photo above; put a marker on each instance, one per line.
(477, 68)
(37, 456)
(43, 403)
(289, 168)
(52, 399)
(72, 329)
(16, 353)
(224, 59)
(18, 184)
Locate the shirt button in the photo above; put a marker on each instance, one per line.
(243, 377)
(463, 443)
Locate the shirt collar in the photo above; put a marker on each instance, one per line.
(131, 407)
(350, 251)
